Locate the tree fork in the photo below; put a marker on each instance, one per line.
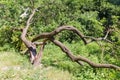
(50, 36)
(31, 45)
(38, 58)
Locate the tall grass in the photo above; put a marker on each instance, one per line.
(13, 66)
(56, 65)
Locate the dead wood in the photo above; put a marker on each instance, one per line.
(35, 58)
(78, 59)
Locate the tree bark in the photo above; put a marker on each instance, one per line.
(35, 58)
(31, 46)
(77, 59)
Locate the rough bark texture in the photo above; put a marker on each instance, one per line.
(30, 45)
(80, 58)
(77, 59)
(35, 58)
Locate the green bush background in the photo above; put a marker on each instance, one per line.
(91, 17)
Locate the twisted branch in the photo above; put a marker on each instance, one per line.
(58, 30)
(50, 36)
(80, 58)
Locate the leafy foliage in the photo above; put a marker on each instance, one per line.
(91, 17)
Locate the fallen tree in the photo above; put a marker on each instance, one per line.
(35, 57)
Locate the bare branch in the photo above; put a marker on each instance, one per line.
(37, 60)
(80, 58)
(50, 36)
(94, 65)
(38, 43)
(58, 30)
(30, 18)
(23, 35)
(97, 39)
(31, 46)
(23, 15)
(71, 28)
(106, 34)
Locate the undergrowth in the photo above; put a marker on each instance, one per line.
(56, 65)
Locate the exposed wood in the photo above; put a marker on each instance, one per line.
(75, 30)
(38, 58)
(31, 46)
(35, 58)
(77, 59)
(58, 30)
(80, 58)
